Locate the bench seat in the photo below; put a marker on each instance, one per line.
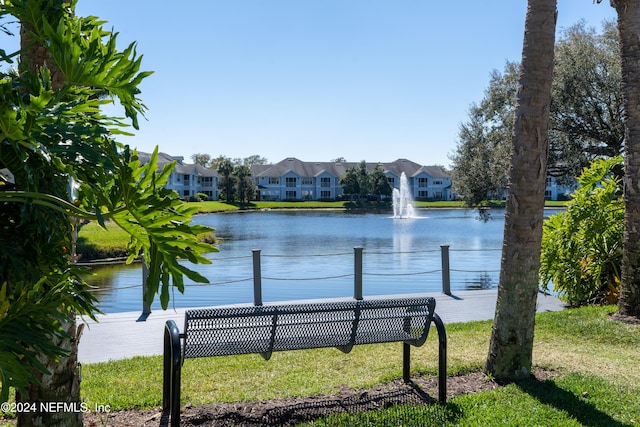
(230, 330)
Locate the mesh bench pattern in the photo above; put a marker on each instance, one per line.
(223, 331)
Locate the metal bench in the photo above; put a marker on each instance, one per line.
(263, 329)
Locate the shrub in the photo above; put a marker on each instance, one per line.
(582, 246)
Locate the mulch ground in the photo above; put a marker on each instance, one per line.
(291, 411)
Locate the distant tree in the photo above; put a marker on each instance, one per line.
(201, 159)
(380, 186)
(246, 187)
(254, 160)
(480, 160)
(511, 345)
(339, 160)
(364, 180)
(585, 120)
(587, 109)
(215, 163)
(227, 184)
(350, 183)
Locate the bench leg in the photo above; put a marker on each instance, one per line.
(442, 359)
(406, 362)
(171, 374)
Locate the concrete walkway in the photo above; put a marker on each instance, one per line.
(123, 335)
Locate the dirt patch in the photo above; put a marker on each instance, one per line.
(290, 411)
(631, 320)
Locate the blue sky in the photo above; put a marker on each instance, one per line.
(318, 79)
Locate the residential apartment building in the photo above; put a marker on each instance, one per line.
(187, 179)
(557, 190)
(293, 179)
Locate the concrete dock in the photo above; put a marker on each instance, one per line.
(123, 335)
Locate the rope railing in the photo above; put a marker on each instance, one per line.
(417, 273)
(357, 274)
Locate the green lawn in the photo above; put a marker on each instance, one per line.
(597, 360)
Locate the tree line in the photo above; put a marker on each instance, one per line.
(236, 183)
(586, 115)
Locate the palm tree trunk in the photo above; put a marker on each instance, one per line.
(57, 395)
(511, 346)
(629, 34)
(62, 384)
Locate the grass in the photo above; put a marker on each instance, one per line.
(573, 400)
(95, 242)
(597, 358)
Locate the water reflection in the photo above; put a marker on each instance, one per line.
(310, 255)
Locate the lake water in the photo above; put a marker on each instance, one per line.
(309, 254)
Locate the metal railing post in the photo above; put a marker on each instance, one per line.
(357, 272)
(446, 276)
(146, 308)
(257, 278)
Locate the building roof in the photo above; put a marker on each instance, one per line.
(301, 168)
(163, 158)
(181, 167)
(193, 169)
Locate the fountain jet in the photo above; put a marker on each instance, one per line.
(402, 199)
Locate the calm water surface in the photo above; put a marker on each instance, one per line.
(310, 255)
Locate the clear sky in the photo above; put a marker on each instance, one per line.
(318, 79)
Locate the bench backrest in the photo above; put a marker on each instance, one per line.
(263, 329)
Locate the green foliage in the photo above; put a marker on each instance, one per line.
(582, 246)
(586, 116)
(159, 225)
(587, 108)
(358, 181)
(66, 164)
(481, 158)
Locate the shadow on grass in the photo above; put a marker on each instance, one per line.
(405, 404)
(548, 393)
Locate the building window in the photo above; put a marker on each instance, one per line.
(436, 182)
(290, 195)
(307, 180)
(422, 182)
(423, 194)
(207, 181)
(274, 180)
(186, 179)
(291, 182)
(392, 182)
(325, 194)
(307, 195)
(325, 182)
